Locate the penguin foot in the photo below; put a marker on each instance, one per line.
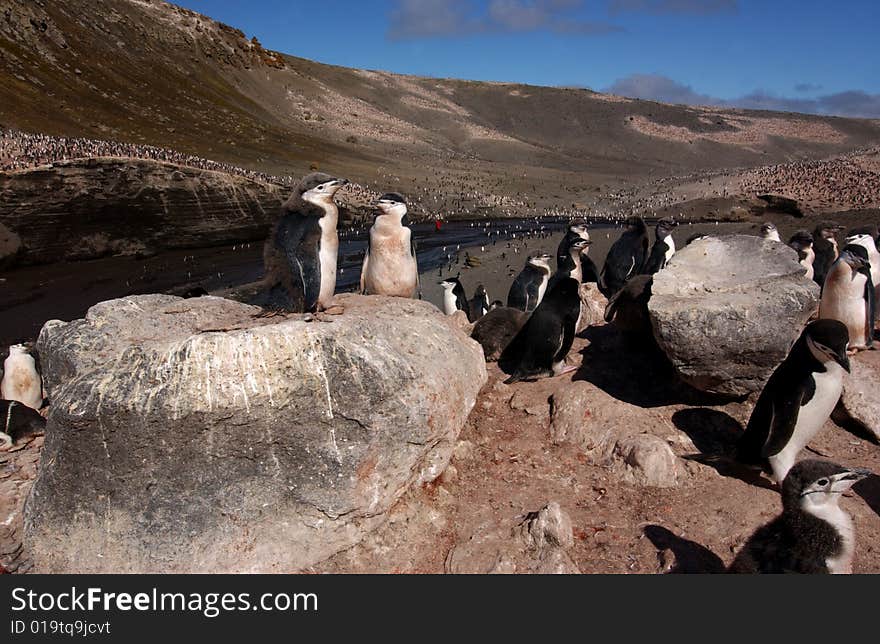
(336, 309)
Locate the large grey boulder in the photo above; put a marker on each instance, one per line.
(726, 311)
(860, 400)
(190, 436)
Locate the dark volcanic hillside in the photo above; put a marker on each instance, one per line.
(149, 72)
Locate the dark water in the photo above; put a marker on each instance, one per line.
(29, 296)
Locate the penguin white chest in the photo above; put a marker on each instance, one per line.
(843, 299)
(327, 254)
(449, 306)
(541, 288)
(392, 269)
(811, 417)
(21, 381)
(671, 247)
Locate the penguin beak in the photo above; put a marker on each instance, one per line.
(843, 360)
(845, 480)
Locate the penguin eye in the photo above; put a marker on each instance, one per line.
(822, 482)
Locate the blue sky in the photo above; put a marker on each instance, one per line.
(802, 55)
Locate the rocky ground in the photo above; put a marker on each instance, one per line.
(507, 466)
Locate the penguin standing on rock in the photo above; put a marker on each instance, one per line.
(626, 257)
(300, 254)
(769, 231)
(848, 295)
(813, 534)
(528, 288)
(541, 346)
(454, 298)
(663, 248)
(390, 266)
(797, 399)
(802, 243)
(825, 248)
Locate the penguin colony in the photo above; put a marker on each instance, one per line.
(532, 335)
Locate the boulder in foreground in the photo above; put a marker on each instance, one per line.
(190, 436)
(726, 311)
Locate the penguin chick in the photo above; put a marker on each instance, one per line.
(300, 254)
(390, 266)
(496, 329)
(813, 534)
(797, 399)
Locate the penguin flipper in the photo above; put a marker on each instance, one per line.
(870, 309)
(784, 415)
(363, 288)
(531, 296)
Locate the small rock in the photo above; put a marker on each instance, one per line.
(860, 401)
(549, 527)
(593, 305)
(463, 451)
(647, 460)
(572, 420)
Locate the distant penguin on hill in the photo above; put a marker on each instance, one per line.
(802, 243)
(663, 248)
(301, 252)
(497, 328)
(21, 379)
(813, 534)
(626, 257)
(769, 231)
(541, 346)
(479, 304)
(528, 288)
(848, 296)
(454, 298)
(797, 399)
(825, 248)
(390, 266)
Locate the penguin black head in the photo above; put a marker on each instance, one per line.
(856, 256)
(801, 240)
(579, 227)
(319, 187)
(495, 305)
(581, 245)
(812, 483)
(665, 228)
(636, 224)
(541, 260)
(828, 341)
(827, 230)
(449, 282)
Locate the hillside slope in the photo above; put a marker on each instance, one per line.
(150, 72)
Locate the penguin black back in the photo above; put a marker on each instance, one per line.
(626, 257)
(825, 248)
(540, 347)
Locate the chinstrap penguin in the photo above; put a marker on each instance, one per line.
(769, 231)
(825, 249)
(576, 230)
(663, 248)
(390, 266)
(626, 257)
(848, 296)
(541, 346)
(21, 378)
(797, 399)
(300, 254)
(454, 298)
(18, 421)
(479, 304)
(528, 288)
(813, 534)
(802, 243)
